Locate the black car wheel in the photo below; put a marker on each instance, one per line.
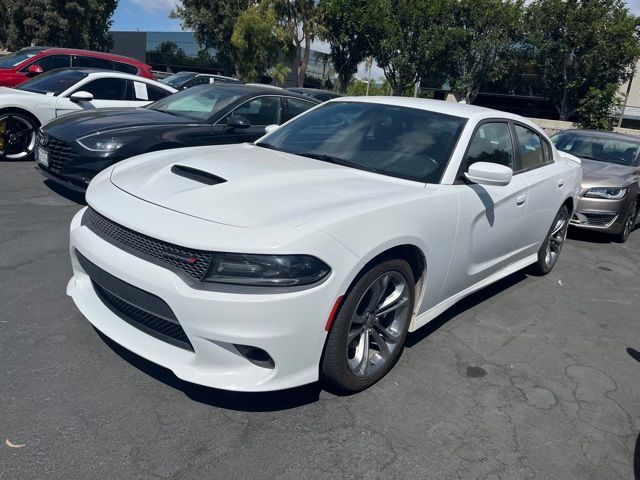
(368, 334)
(629, 222)
(17, 135)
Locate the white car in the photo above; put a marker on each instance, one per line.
(311, 253)
(25, 108)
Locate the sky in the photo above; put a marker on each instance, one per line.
(153, 15)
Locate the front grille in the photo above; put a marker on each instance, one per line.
(145, 321)
(195, 263)
(59, 153)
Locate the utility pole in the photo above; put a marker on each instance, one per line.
(368, 63)
(626, 97)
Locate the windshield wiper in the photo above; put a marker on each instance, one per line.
(266, 145)
(337, 160)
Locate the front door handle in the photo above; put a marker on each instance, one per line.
(561, 183)
(520, 200)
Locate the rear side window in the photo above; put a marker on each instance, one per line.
(156, 93)
(125, 67)
(530, 145)
(491, 143)
(91, 62)
(106, 88)
(199, 80)
(295, 107)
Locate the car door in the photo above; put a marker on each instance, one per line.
(107, 93)
(547, 186)
(491, 217)
(260, 111)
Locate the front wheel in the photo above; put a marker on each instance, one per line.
(368, 334)
(17, 136)
(629, 222)
(552, 245)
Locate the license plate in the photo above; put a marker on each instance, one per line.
(42, 156)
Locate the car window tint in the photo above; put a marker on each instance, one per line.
(125, 67)
(91, 62)
(260, 111)
(532, 154)
(54, 61)
(295, 107)
(491, 143)
(106, 88)
(54, 82)
(199, 80)
(198, 103)
(156, 93)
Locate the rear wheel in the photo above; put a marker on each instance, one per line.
(17, 135)
(368, 334)
(629, 222)
(552, 245)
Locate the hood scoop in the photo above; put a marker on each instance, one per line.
(197, 175)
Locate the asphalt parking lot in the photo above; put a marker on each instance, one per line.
(531, 378)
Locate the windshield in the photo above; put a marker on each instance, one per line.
(398, 141)
(598, 147)
(52, 83)
(16, 58)
(178, 79)
(198, 103)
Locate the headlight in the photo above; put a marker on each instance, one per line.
(606, 192)
(266, 270)
(104, 143)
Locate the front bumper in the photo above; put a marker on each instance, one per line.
(600, 214)
(288, 326)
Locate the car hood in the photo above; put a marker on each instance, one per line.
(256, 187)
(78, 124)
(4, 91)
(595, 173)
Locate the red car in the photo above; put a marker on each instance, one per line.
(19, 66)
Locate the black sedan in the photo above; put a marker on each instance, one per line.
(71, 150)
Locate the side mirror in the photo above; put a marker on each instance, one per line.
(81, 96)
(34, 70)
(271, 128)
(238, 121)
(485, 173)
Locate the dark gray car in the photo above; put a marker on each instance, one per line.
(610, 194)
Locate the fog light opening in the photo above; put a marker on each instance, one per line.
(256, 355)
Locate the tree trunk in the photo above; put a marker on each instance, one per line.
(302, 65)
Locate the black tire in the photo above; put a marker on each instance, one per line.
(543, 265)
(334, 367)
(23, 122)
(629, 222)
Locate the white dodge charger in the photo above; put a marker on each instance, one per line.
(311, 253)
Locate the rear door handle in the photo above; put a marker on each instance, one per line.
(561, 182)
(521, 199)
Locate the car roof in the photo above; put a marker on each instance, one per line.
(93, 53)
(114, 74)
(602, 134)
(310, 90)
(253, 88)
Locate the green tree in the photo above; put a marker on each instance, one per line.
(408, 40)
(258, 40)
(62, 23)
(480, 43)
(279, 73)
(349, 27)
(599, 108)
(300, 22)
(578, 45)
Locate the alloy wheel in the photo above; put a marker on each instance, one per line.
(378, 323)
(17, 136)
(630, 221)
(556, 238)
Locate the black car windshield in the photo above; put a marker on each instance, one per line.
(52, 83)
(178, 79)
(397, 141)
(198, 103)
(602, 148)
(16, 58)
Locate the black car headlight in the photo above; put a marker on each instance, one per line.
(606, 192)
(105, 143)
(266, 270)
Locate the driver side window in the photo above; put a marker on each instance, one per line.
(491, 143)
(261, 111)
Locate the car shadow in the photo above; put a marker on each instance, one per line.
(76, 197)
(240, 401)
(462, 306)
(635, 354)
